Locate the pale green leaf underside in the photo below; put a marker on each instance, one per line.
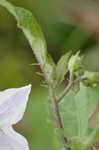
(33, 33)
(77, 109)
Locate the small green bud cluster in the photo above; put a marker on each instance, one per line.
(75, 65)
(92, 78)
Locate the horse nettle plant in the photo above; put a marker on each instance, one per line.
(72, 110)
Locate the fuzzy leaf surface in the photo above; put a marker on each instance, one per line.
(28, 24)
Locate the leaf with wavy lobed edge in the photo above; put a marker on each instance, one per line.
(28, 24)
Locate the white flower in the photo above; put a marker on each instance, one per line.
(12, 107)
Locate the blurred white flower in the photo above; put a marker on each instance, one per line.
(12, 107)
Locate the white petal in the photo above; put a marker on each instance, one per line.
(11, 140)
(12, 105)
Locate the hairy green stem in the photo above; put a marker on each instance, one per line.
(58, 119)
(56, 110)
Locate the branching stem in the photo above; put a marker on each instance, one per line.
(56, 111)
(66, 90)
(57, 116)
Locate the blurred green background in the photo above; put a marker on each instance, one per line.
(63, 32)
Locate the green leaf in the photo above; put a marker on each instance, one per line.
(76, 144)
(62, 67)
(93, 136)
(28, 24)
(76, 111)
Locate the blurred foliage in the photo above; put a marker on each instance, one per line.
(16, 57)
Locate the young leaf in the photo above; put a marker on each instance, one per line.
(62, 67)
(77, 109)
(28, 24)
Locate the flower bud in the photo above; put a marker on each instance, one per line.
(92, 78)
(74, 64)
